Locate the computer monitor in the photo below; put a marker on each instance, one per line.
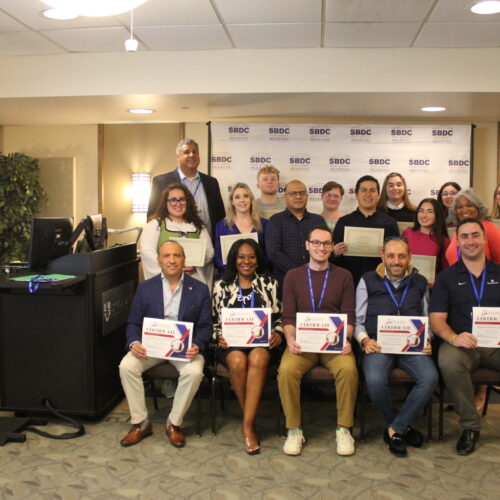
(49, 239)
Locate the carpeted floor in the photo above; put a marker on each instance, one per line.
(212, 467)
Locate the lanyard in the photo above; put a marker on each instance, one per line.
(393, 297)
(252, 297)
(189, 187)
(311, 292)
(479, 296)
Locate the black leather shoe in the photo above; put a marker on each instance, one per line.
(396, 444)
(414, 438)
(467, 442)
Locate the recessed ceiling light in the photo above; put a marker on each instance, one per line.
(141, 111)
(486, 7)
(60, 14)
(185, 107)
(433, 109)
(96, 8)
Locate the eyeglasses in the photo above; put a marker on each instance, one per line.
(316, 244)
(176, 201)
(296, 194)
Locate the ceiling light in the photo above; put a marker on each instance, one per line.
(433, 109)
(60, 14)
(131, 44)
(486, 7)
(95, 8)
(141, 111)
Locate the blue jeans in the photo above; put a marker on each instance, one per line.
(421, 368)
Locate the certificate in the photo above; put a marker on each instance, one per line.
(402, 334)
(166, 339)
(194, 248)
(246, 327)
(486, 326)
(226, 242)
(320, 332)
(426, 265)
(363, 241)
(404, 225)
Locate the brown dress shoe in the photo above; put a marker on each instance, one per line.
(175, 436)
(136, 434)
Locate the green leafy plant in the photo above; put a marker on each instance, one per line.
(20, 193)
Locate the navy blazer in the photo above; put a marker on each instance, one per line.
(195, 307)
(216, 210)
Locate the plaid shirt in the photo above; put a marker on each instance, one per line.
(285, 241)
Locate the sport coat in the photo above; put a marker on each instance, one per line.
(195, 307)
(216, 210)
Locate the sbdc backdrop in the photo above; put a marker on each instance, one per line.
(426, 155)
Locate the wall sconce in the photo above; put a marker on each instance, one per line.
(141, 189)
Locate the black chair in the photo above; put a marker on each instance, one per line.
(166, 371)
(482, 376)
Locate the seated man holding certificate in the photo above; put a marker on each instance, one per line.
(392, 326)
(246, 314)
(185, 303)
(464, 312)
(359, 235)
(318, 318)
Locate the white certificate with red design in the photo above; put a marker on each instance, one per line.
(246, 327)
(486, 326)
(166, 339)
(402, 334)
(321, 332)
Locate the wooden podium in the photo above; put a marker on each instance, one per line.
(64, 342)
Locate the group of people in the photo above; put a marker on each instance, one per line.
(298, 264)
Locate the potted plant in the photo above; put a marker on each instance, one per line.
(20, 193)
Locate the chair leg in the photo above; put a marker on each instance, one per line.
(361, 406)
(213, 403)
(487, 400)
(198, 417)
(441, 411)
(429, 421)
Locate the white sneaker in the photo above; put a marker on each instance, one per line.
(345, 442)
(293, 443)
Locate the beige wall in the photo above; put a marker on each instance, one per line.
(146, 148)
(78, 141)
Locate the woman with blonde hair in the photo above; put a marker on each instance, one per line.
(242, 217)
(394, 199)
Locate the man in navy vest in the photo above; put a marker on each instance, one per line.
(473, 281)
(395, 288)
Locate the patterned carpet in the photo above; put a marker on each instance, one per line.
(212, 467)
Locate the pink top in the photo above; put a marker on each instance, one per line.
(423, 244)
(491, 249)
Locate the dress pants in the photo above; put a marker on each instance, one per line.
(190, 376)
(294, 366)
(456, 364)
(377, 368)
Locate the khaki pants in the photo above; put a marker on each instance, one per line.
(190, 376)
(293, 367)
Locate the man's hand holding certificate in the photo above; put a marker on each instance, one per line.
(486, 326)
(246, 327)
(167, 339)
(402, 334)
(321, 333)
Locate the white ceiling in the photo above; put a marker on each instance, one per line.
(238, 25)
(242, 24)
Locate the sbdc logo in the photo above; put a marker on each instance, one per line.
(238, 130)
(339, 162)
(360, 134)
(299, 162)
(257, 160)
(458, 164)
(278, 130)
(315, 191)
(401, 132)
(279, 133)
(419, 163)
(319, 133)
(221, 160)
(379, 162)
(439, 132)
(361, 131)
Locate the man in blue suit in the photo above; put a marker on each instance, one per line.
(175, 296)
